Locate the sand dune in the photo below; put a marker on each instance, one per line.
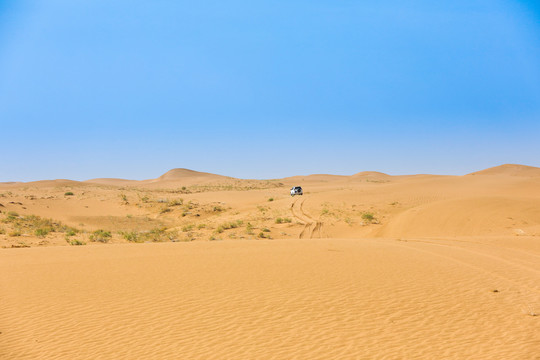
(510, 170)
(205, 266)
(113, 181)
(171, 179)
(183, 174)
(371, 175)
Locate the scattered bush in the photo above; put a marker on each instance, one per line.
(145, 199)
(271, 199)
(249, 228)
(229, 225)
(280, 220)
(71, 231)
(164, 210)
(157, 235)
(32, 224)
(176, 202)
(154, 235)
(131, 236)
(15, 233)
(368, 216)
(42, 232)
(201, 226)
(76, 242)
(101, 236)
(187, 228)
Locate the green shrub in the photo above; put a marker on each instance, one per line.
(154, 235)
(42, 232)
(176, 202)
(101, 236)
(271, 199)
(157, 235)
(131, 236)
(76, 242)
(249, 228)
(187, 228)
(69, 193)
(71, 231)
(280, 220)
(369, 217)
(235, 224)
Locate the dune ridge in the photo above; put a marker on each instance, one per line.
(510, 170)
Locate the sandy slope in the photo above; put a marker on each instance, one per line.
(305, 299)
(361, 266)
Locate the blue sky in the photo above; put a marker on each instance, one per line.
(266, 89)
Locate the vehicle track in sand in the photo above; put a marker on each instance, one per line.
(312, 227)
(509, 270)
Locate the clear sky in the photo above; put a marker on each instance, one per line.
(266, 89)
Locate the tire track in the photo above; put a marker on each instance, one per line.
(500, 268)
(312, 227)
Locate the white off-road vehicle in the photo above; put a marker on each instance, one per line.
(296, 190)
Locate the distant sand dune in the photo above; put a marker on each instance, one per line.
(510, 170)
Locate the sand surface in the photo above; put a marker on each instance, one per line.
(201, 266)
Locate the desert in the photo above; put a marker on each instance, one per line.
(245, 180)
(193, 265)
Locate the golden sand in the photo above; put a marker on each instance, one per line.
(442, 267)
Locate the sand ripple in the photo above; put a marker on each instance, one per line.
(303, 299)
